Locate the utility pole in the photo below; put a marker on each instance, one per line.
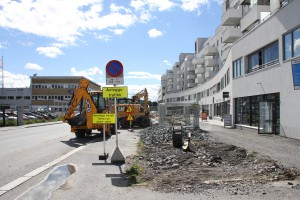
(2, 92)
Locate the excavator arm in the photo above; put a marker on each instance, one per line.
(139, 96)
(81, 95)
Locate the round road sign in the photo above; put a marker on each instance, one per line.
(114, 68)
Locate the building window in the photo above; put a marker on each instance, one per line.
(264, 57)
(228, 77)
(11, 97)
(238, 68)
(291, 44)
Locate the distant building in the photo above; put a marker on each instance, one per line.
(13, 97)
(54, 93)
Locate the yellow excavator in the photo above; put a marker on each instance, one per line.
(86, 104)
(135, 108)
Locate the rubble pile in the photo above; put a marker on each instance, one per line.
(214, 165)
(158, 134)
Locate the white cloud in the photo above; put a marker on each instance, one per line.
(153, 33)
(297, 47)
(118, 31)
(115, 8)
(62, 20)
(151, 89)
(1, 46)
(86, 73)
(143, 75)
(105, 38)
(33, 66)
(166, 62)
(26, 44)
(15, 80)
(51, 52)
(192, 5)
(160, 5)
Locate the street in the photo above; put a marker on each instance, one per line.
(24, 149)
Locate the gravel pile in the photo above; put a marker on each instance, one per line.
(213, 165)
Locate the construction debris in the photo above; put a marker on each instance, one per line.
(203, 164)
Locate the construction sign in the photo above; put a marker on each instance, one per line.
(129, 118)
(129, 109)
(104, 118)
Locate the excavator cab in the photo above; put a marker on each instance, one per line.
(98, 100)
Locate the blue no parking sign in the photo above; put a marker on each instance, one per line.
(114, 73)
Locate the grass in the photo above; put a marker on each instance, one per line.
(30, 121)
(135, 170)
(252, 155)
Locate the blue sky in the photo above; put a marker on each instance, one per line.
(78, 38)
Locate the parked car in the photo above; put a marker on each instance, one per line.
(1, 116)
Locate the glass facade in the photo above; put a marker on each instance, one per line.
(238, 68)
(247, 110)
(291, 43)
(263, 57)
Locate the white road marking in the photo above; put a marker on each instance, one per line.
(39, 170)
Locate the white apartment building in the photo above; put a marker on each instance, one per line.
(250, 68)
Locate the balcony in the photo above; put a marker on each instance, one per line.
(232, 17)
(210, 74)
(179, 79)
(198, 61)
(200, 80)
(190, 85)
(231, 34)
(164, 77)
(170, 75)
(170, 89)
(191, 76)
(191, 68)
(200, 69)
(179, 72)
(209, 62)
(257, 13)
(211, 51)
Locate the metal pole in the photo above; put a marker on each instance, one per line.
(116, 122)
(104, 139)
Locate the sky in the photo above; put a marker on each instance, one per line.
(79, 38)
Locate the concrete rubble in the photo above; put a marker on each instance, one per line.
(214, 165)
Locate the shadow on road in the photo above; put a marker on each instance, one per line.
(77, 142)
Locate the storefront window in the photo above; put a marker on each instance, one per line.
(247, 110)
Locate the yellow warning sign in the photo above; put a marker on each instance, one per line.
(129, 118)
(115, 92)
(104, 118)
(129, 109)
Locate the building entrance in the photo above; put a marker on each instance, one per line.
(266, 118)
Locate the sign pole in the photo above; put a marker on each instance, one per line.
(105, 156)
(114, 76)
(116, 124)
(117, 156)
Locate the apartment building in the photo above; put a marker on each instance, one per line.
(248, 70)
(54, 93)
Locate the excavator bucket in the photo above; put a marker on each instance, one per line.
(78, 120)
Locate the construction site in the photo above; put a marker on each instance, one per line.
(178, 154)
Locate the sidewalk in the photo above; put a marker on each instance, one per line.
(6, 128)
(284, 150)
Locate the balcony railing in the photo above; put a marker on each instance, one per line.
(263, 66)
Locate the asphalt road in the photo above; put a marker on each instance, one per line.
(24, 149)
